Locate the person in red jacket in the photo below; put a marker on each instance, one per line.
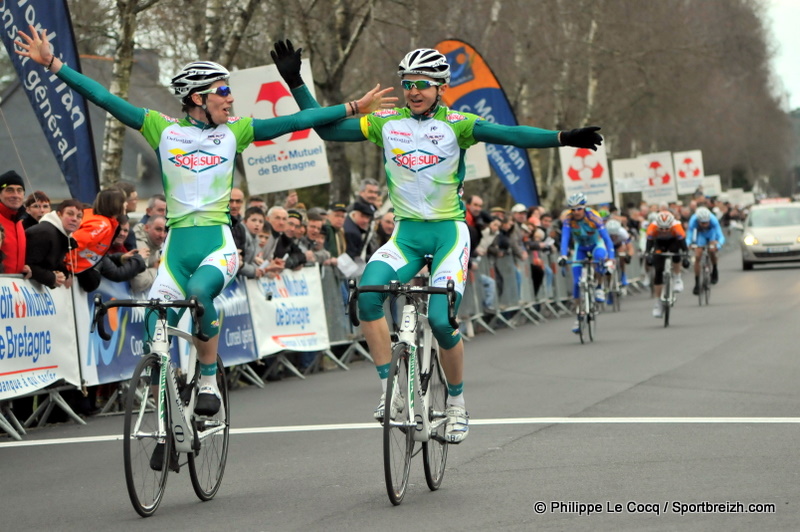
(12, 196)
(95, 236)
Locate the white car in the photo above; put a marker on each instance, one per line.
(771, 234)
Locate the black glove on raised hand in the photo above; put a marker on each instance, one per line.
(584, 137)
(288, 61)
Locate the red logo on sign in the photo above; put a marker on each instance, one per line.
(688, 168)
(657, 172)
(585, 165)
(273, 92)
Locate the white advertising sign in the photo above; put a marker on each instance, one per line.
(476, 162)
(688, 170)
(660, 184)
(630, 175)
(294, 160)
(586, 171)
(288, 313)
(37, 337)
(712, 186)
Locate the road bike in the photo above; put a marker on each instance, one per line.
(613, 285)
(416, 392)
(588, 308)
(668, 295)
(704, 286)
(160, 421)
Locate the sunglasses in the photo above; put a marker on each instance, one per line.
(420, 84)
(578, 208)
(222, 90)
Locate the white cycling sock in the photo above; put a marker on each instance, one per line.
(457, 400)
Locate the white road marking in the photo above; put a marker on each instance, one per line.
(473, 422)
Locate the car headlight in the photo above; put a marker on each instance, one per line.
(750, 240)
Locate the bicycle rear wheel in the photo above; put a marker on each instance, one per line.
(142, 432)
(207, 465)
(591, 321)
(398, 443)
(706, 292)
(434, 451)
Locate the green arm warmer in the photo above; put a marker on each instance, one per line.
(341, 130)
(520, 136)
(265, 129)
(128, 114)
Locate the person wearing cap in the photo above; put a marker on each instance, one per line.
(335, 241)
(356, 229)
(197, 155)
(424, 144)
(12, 195)
(498, 212)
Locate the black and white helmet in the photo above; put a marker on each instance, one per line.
(196, 75)
(427, 62)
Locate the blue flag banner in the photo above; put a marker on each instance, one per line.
(475, 89)
(62, 113)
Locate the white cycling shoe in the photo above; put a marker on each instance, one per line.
(457, 426)
(678, 285)
(398, 405)
(599, 295)
(658, 311)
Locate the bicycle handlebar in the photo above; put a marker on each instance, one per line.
(101, 309)
(395, 288)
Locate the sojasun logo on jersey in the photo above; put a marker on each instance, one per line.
(417, 160)
(196, 161)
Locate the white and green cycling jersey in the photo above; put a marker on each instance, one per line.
(424, 160)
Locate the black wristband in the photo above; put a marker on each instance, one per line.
(50, 64)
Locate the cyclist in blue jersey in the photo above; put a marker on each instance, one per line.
(708, 235)
(424, 144)
(585, 228)
(197, 155)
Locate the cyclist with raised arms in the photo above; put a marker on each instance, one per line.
(584, 226)
(665, 234)
(708, 234)
(424, 144)
(197, 155)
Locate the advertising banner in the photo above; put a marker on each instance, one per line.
(712, 186)
(475, 89)
(62, 113)
(37, 339)
(586, 171)
(660, 185)
(630, 175)
(294, 160)
(688, 170)
(286, 312)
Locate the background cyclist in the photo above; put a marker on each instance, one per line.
(199, 257)
(665, 234)
(709, 234)
(584, 226)
(426, 195)
(623, 246)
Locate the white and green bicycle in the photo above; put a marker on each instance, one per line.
(160, 421)
(416, 393)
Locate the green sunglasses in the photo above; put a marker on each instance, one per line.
(420, 84)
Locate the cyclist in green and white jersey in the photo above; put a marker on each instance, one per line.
(197, 155)
(424, 145)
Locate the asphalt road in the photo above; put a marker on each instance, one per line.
(646, 422)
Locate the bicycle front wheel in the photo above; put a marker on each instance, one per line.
(207, 465)
(398, 431)
(147, 446)
(434, 451)
(591, 321)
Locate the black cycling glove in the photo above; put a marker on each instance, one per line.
(584, 137)
(288, 61)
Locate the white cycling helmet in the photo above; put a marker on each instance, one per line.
(613, 227)
(665, 220)
(576, 200)
(427, 62)
(703, 215)
(197, 75)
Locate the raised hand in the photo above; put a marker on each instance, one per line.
(36, 46)
(375, 99)
(288, 61)
(584, 137)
